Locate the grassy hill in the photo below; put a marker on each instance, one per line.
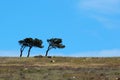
(59, 68)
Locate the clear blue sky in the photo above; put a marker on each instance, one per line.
(87, 27)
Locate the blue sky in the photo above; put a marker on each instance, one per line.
(87, 27)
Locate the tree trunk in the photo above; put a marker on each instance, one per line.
(21, 50)
(21, 53)
(29, 51)
(47, 50)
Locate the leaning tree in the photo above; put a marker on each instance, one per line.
(54, 43)
(29, 42)
(24, 43)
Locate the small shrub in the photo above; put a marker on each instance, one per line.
(39, 56)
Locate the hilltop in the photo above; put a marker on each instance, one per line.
(60, 68)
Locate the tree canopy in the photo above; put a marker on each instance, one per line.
(54, 43)
(29, 42)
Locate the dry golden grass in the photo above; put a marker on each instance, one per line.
(59, 68)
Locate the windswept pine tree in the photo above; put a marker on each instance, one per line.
(29, 42)
(54, 43)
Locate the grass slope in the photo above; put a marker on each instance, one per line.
(64, 68)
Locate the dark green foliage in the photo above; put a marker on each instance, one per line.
(38, 43)
(29, 42)
(54, 43)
